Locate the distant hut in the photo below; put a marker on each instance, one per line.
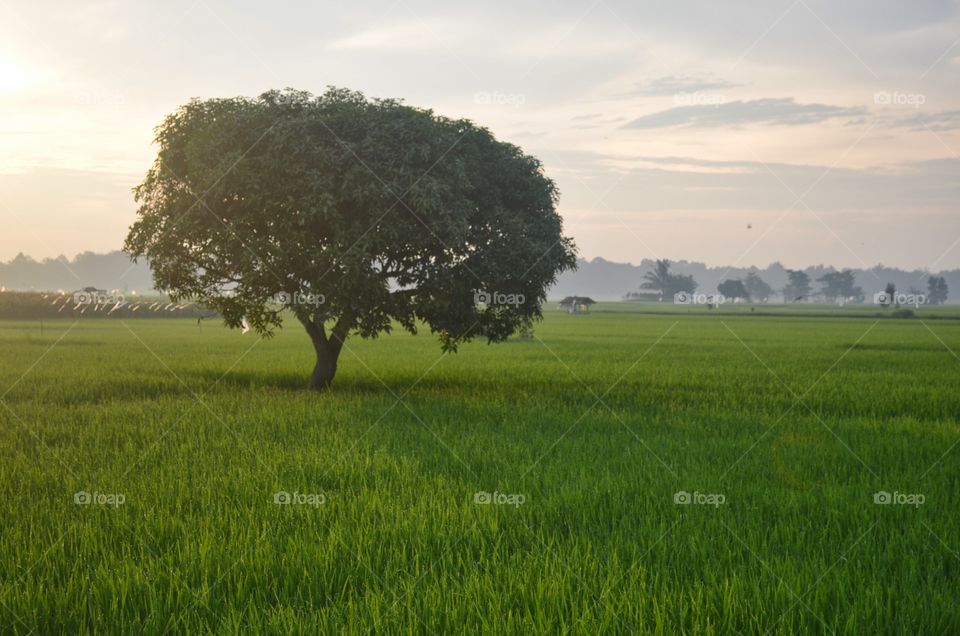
(576, 304)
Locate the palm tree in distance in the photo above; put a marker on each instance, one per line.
(658, 278)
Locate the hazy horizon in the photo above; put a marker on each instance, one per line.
(637, 263)
(598, 278)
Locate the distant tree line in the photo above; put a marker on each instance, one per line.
(836, 286)
(600, 278)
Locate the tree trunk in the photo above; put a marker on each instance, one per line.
(326, 366)
(328, 350)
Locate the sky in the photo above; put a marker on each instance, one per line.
(732, 133)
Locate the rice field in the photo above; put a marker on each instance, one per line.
(634, 470)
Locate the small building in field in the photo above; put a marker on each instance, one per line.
(576, 304)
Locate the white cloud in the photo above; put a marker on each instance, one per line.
(411, 35)
(767, 111)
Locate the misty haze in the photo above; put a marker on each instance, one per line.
(410, 317)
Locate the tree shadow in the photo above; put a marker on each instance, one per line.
(288, 381)
(895, 346)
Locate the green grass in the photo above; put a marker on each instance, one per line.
(598, 422)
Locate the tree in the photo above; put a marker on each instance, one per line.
(668, 284)
(350, 213)
(733, 289)
(889, 294)
(682, 283)
(840, 285)
(658, 278)
(937, 290)
(757, 288)
(798, 288)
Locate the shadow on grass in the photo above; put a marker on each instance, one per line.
(935, 347)
(504, 389)
(286, 381)
(512, 393)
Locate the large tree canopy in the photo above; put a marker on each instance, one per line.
(351, 213)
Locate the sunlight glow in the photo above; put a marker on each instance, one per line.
(13, 77)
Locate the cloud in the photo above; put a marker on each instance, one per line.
(593, 120)
(637, 184)
(415, 35)
(769, 111)
(942, 121)
(673, 84)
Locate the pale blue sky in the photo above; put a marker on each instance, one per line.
(670, 127)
